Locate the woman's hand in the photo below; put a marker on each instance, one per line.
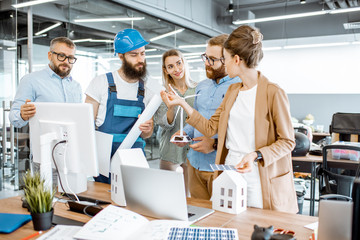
(246, 163)
(170, 99)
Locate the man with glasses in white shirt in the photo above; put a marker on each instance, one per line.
(52, 84)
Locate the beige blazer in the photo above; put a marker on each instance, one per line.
(274, 138)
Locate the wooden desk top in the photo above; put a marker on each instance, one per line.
(321, 134)
(243, 222)
(336, 163)
(308, 158)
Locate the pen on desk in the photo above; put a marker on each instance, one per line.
(32, 235)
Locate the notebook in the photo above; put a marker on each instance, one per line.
(116, 223)
(159, 193)
(9, 222)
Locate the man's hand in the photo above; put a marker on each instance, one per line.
(179, 144)
(246, 163)
(146, 128)
(204, 146)
(27, 110)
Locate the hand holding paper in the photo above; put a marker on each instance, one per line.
(145, 116)
(146, 128)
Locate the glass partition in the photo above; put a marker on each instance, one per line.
(84, 22)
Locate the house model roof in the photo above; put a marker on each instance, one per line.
(232, 175)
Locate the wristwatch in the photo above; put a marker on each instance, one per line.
(215, 143)
(259, 156)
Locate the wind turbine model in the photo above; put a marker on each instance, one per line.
(181, 137)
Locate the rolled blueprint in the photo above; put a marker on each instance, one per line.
(146, 115)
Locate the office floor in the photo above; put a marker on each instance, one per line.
(153, 160)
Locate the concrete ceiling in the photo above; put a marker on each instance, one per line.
(201, 18)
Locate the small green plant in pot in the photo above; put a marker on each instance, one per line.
(39, 199)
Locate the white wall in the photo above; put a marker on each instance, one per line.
(317, 70)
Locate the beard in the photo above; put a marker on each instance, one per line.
(58, 70)
(131, 72)
(215, 74)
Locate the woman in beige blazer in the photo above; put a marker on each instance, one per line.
(272, 135)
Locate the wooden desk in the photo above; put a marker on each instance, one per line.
(244, 222)
(308, 164)
(318, 136)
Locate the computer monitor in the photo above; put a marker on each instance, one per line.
(65, 130)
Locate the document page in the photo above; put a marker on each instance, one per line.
(112, 223)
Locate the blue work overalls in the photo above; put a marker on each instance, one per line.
(120, 117)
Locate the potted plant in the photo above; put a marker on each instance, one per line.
(39, 200)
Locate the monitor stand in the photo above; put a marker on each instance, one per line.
(72, 182)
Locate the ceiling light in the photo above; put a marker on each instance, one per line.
(167, 34)
(92, 40)
(282, 17)
(317, 45)
(38, 36)
(297, 15)
(102, 40)
(31, 3)
(271, 48)
(151, 50)
(194, 60)
(109, 19)
(351, 25)
(48, 29)
(302, 1)
(231, 8)
(192, 57)
(344, 10)
(193, 54)
(82, 40)
(153, 56)
(193, 46)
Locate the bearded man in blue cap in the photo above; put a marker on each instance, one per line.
(119, 97)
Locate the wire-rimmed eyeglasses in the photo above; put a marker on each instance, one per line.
(211, 61)
(62, 57)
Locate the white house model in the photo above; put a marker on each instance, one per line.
(229, 193)
(132, 157)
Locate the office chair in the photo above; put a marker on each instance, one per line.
(301, 129)
(338, 180)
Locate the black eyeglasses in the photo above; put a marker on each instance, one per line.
(211, 61)
(62, 57)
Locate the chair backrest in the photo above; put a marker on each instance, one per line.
(339, 180)
(301, 129)
(345, 127)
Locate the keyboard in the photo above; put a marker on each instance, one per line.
(87, 199)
